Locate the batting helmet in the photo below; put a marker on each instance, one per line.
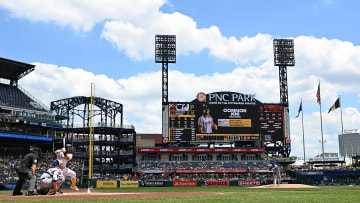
(68, 146)
(56, 163)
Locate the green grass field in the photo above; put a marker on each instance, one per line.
(238, 194)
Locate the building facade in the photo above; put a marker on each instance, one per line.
(349, 143)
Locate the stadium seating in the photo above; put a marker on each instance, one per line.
(14, 97)
(198, 165)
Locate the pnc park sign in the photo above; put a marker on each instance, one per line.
(227, 98)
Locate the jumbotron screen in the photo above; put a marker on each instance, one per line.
(225, 121)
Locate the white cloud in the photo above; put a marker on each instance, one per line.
(131, 26)
(138, 40)
(82, 15)
(141, 94)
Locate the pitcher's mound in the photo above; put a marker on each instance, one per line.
(286, 186)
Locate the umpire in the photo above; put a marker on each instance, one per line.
(26, 170)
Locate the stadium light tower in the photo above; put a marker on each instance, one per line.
(284, 56)
(165, 53)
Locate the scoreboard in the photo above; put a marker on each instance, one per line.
(225, 120)
(181, 122)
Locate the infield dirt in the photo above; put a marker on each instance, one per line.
(83, 194)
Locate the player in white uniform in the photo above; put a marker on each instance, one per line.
(206, 122)
(53, 177)
(64, 156)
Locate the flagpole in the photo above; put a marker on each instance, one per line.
(322, 139)
(322, 135)
(342, 125)
(302, 121)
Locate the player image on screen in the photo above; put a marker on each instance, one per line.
(206, 122)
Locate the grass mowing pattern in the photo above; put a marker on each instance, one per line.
(237, 194)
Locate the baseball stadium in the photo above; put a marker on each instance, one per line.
(221, 146)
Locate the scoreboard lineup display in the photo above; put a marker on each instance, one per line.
(225, 116)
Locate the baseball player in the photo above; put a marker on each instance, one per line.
(276, 170)
(64, 156)
(52, 177)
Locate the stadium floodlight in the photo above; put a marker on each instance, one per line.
(165, 53)
(284, 52)
(165, 48)
(283, 56)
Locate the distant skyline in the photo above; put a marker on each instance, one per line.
(221, 46)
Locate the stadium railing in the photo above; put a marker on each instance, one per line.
(78, 125)
(34, 99)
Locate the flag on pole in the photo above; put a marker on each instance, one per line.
(300, 109)
(335, 106)
(318, 95)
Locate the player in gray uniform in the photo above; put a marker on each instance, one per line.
(53, 177)
(276, 176)
(26, 170)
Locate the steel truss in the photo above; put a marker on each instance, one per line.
(114, 145)
(108, 110)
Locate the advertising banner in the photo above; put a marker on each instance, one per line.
(248, 183)
(201, 150)
(106, 184)
(129, 184)
(188, 183)
(153, 184)
(217, 183)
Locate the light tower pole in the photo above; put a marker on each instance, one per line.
(165, 53)
(284, 56)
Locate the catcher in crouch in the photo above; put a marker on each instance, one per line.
(53, 177)
(64, 156)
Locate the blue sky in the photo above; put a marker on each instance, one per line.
(222, 45)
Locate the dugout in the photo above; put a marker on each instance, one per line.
(330, 177)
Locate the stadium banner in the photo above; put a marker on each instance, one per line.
(210, 171)
(248, 183)
(27, 137)
(106, 184)
(153, 184)
(201, 150)
(217, 183)
(187, 183)
(152, 171)
(129, 184)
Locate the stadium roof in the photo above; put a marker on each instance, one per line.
(14, 70)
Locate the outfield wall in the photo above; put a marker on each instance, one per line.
(177, 183)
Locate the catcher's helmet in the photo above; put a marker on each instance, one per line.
(43, 191)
